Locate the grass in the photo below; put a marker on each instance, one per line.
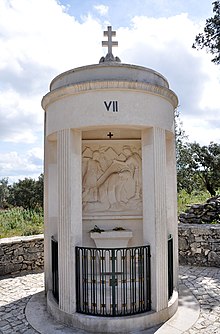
(185, 199)
(20, 222)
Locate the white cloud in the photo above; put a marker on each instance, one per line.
(21, 117)
(14, 164)
(39, 39)
(202, 130)
(102, 9)
(164, 44)
(33, 51)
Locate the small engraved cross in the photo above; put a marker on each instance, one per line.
(110, 135)
(109, 43)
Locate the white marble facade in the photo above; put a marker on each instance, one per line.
(110, 161)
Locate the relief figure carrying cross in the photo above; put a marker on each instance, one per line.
(109, 43)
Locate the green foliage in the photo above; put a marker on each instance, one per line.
(210, 38)
(185, 199)
(186, 178)
(198, 167)
(22, 207)
(4, 192)
(179, 131)
(206, 164)
(97, 229)
(39, 191)
(118, 228)
(19, 221)
(27, 193)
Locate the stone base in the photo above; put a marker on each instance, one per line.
(112, 325)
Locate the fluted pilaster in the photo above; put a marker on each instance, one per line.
(172, 220)
(70, 213)
(154, 211)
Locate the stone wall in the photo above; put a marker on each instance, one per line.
(202, 213)
(21, 254)
(199, 245)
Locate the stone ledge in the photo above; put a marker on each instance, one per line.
(21, 238)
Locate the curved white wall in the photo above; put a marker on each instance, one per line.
(126, 99)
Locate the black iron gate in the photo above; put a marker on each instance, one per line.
(113, 282)
(170, 266)
(55, 277)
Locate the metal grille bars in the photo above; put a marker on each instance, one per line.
(113, 282)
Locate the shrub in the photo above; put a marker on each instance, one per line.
(18, 221)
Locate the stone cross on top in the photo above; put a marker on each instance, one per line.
(109, 43)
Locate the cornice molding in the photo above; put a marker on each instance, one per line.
(87, 86)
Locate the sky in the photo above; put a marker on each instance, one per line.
(40, 39)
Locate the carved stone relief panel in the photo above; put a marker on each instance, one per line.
(112, 178)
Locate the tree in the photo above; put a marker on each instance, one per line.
(187, 176)
(39, 191)
(180, 134)
(210, 38)
(206, 164)
(198, 167)
(4, 192)
(27, 193)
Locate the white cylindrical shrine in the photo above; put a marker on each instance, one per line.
(111, 253)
